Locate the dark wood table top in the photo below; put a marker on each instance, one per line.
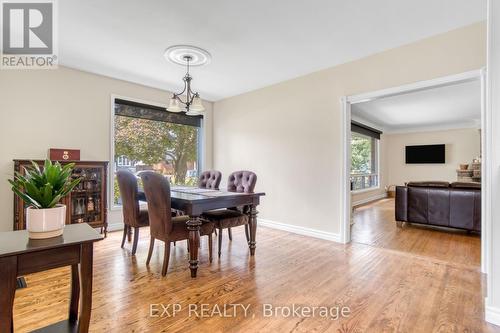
(17, 242)
(199, 194)
(195, 201)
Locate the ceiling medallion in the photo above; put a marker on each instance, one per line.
(188, 56)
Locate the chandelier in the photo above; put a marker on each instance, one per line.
(188, 56)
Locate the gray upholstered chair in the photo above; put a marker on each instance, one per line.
(241, 182)
(163, 226)
(210, 179)
(133, 216)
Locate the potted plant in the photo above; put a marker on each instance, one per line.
(41, 190)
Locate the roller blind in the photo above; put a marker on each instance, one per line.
(365, 130)
(151, 112)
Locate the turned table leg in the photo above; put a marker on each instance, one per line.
(193, 226)
(8, 282)
(252, 226)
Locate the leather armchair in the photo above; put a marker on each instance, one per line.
(133, 216)
(455, 205)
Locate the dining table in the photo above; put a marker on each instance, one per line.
(194, 202)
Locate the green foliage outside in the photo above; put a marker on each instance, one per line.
(360, 154)
(151, 141)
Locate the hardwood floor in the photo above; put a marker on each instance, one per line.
(375, 225)
(386, 290)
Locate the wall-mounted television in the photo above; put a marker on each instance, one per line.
(425, 154)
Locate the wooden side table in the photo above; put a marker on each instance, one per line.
(20, 255)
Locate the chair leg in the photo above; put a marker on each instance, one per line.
(247, 233)
(166, 258)
(175, 244)
(136, 240)
(230, 233)
(220, 242)
(210, 248)
(187, 243)
(151, 247)
(215, 230)
(129, 233)
(125, 228)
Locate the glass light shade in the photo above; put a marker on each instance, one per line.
(174, 106)
(196, 106)
(192, 113)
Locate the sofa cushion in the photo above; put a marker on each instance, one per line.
(428, 184)
(466, 185)
(418, 204)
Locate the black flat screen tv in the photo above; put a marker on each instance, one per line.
(425, 154)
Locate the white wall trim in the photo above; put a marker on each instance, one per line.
(416, 86)
(491, 313)
(115, 226)
(347, 101)
(330, 236)
(345, 199)
(491, 164)
(369, 199)
(419, 129)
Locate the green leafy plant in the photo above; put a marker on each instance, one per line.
(44, 188)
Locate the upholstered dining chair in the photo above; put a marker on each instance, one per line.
(133, 215)
(210, 179)
(241, 182)
(163, 226)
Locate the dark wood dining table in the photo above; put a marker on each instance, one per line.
(194, 202)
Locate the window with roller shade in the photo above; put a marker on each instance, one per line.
(364, 157)
(147, 137)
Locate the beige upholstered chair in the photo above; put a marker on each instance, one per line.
(242, 182)
(133, 216)
(163, 226)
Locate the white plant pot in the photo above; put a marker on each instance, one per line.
(45, 223)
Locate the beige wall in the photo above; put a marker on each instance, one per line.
(462, 146)
(62, 108)
(290, 133)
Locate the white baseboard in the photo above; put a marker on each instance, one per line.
(369, 199)
(272, 224)
(300, 230)
(115, 226)
(491, 314)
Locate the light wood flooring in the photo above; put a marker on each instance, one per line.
(375, 225)
(387, 290)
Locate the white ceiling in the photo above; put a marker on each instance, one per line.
(454, 106)
(254, 43)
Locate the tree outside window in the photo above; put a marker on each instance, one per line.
(364, 173)
(168, 148)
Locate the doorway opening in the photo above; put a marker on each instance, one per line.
(441, 119)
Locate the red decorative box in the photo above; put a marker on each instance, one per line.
(56, 154)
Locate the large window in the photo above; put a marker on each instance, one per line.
(151, 138)
(364, 158)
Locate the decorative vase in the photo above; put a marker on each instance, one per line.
(464, 166)
(45, 223)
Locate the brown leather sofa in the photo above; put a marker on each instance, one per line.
(455, 205)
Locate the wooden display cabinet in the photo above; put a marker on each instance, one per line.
(87, 203)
